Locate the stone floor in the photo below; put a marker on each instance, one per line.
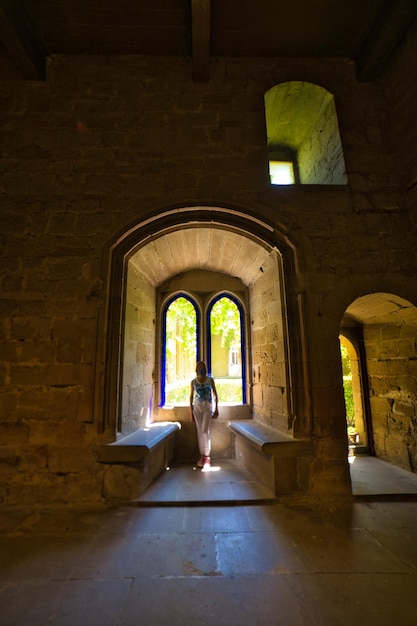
(173, 562)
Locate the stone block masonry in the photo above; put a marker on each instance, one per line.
(104, 144)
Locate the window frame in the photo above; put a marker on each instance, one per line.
(280, 162)
(165, 307)
(203, 335)
(240, 307)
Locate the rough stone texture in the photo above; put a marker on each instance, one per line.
(107, 143)
(391, 352)
(400, 88)
(138, 353)
(321, 153)
(269, 374)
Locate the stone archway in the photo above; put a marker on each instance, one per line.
(386, 324)
(359, 428)
(215, 239)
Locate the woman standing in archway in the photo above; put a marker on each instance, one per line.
(202, 390)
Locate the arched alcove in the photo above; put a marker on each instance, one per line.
(220, 246)
(303, 135)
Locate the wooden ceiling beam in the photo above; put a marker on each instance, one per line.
(18, 35)
(200, 18)
(385, 36)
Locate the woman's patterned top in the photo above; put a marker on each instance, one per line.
(202, 390)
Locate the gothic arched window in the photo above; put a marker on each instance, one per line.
(180, 346)
(218, 338)
(226, 347)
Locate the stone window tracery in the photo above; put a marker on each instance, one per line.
(218, 337)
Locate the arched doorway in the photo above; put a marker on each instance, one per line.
(358, 422)
(381, 329)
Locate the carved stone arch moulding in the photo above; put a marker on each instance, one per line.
(244, 224)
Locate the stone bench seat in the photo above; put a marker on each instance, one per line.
(276, 459)
(270, 440)
(139, 444)
(135, 461)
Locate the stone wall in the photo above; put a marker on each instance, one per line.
(138, 353)
(320, 156)
(269, 371)
(400, 129)
(392, 357)
(392, 350)
(105, 143)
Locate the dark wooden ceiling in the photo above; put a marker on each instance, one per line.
(367, 31)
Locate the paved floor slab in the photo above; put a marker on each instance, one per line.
(224, 482)
(372, 477)
(316, 563)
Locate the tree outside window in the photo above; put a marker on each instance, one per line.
(180, 349)
(226, 350)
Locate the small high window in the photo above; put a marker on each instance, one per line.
(281, 172)
(302, 124)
